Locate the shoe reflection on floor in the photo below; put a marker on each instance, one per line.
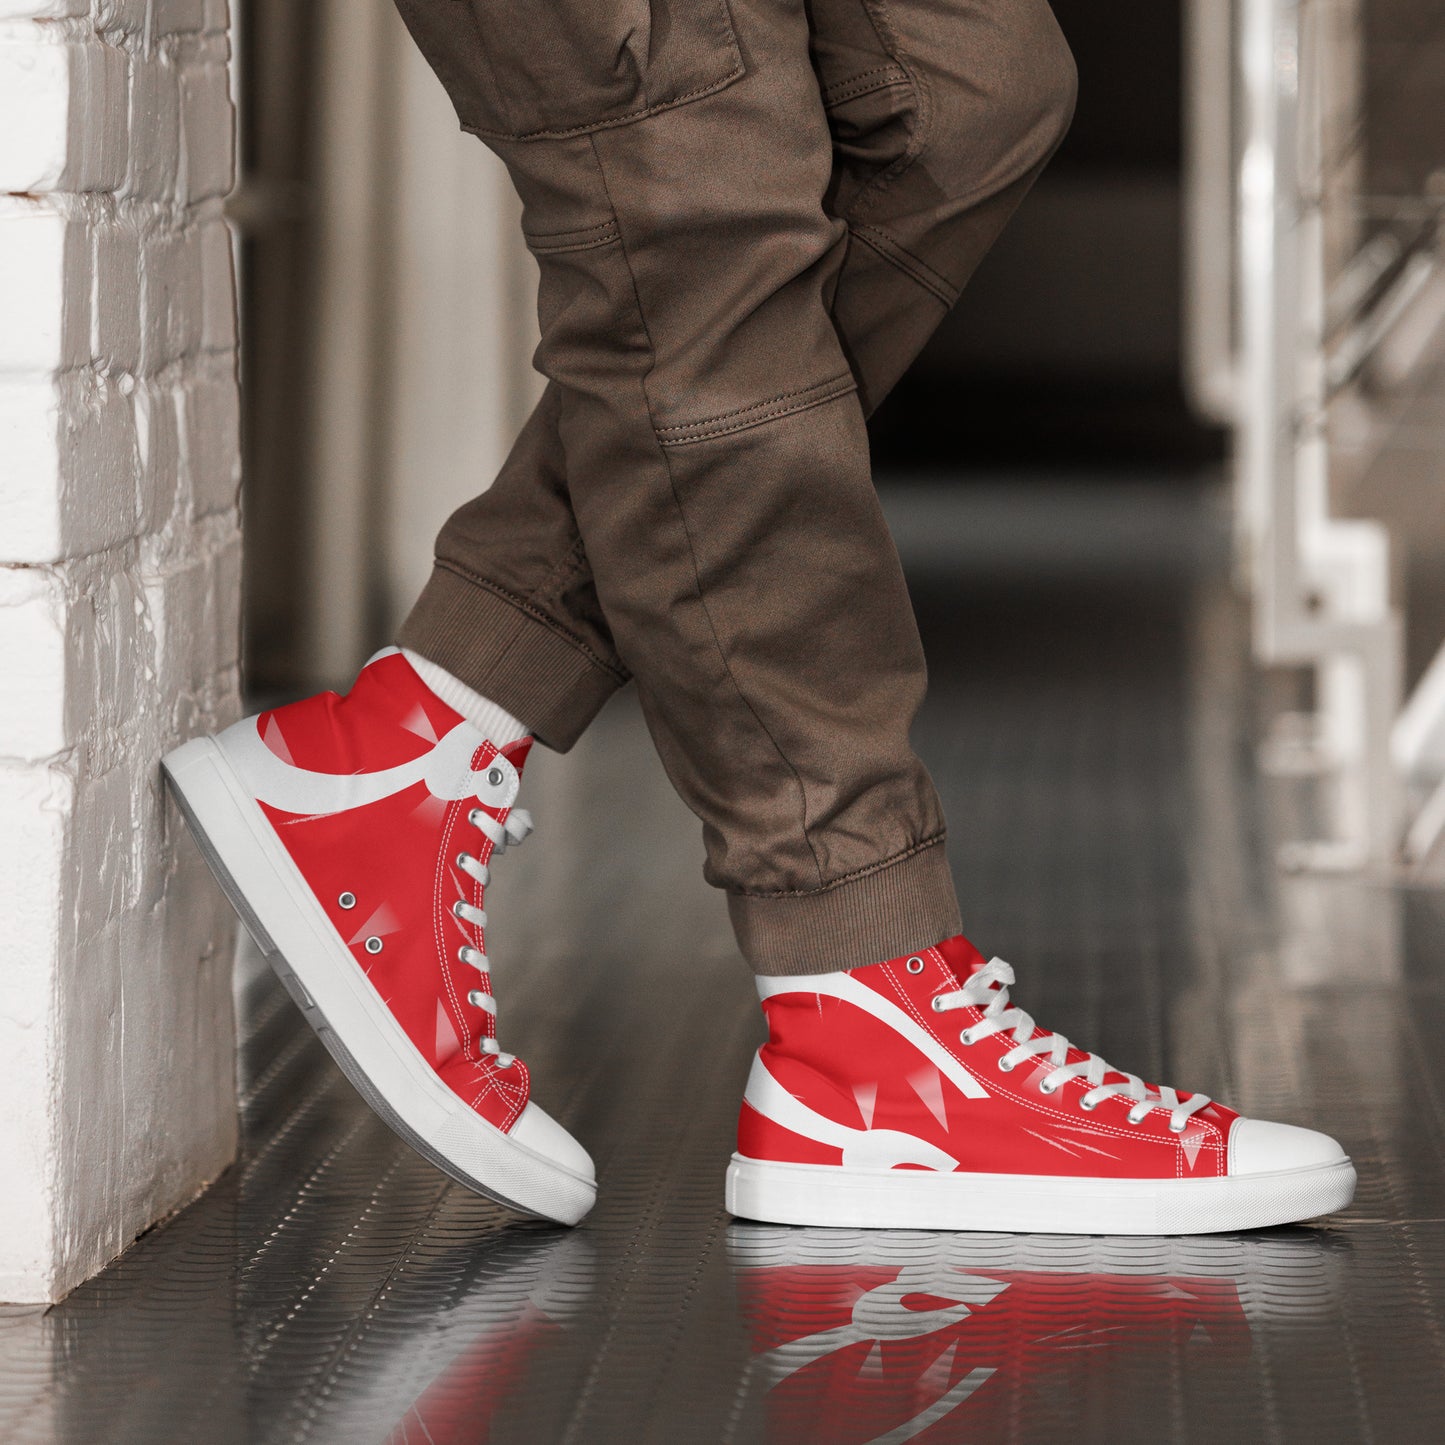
(888, 1336)
(464, 1363)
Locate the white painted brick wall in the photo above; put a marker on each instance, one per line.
(119, 589)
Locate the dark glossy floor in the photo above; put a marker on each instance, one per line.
(1091, 726)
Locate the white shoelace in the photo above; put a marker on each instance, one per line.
(988, 990)
(514, 830)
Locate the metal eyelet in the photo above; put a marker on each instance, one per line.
(914, 965)
(1087, 1107)
(1131, 1120)
(496, 777)
(938, 1003)
(1004, 1067)
(1175, 1129)
(347, 900)
(477, 998)
(966, 1039)
(457, 909)
(1048, 1088)
(373, 944)
(463, 859)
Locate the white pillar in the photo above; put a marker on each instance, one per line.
(119, 582)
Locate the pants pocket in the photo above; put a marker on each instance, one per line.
(535, 69)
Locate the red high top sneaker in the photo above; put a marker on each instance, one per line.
(353, 835)
(911, 1094)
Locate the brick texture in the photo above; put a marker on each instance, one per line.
(119, 589)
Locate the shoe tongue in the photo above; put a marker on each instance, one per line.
(962, 957)
(516, 753)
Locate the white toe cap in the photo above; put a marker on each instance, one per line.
(542, 1134)
(1258, 1147)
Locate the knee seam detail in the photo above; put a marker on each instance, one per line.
(587, 238)
(884, 245)
(758, 413)
(917, 82)
(865, 83)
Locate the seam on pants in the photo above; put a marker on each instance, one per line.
(932, 841)
(865, 83)
(882, 244)
(631, 118)
(758, 413)
(522, 604)
(877, 13)
(592, 127)
(568, 566)
(560, 242)
(687, 531)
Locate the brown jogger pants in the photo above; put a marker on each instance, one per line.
(749, 215)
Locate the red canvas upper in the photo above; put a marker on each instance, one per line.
(396, 856)
(879, 1079)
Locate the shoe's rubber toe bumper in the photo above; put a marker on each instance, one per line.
(1259, 1147)
(538, 1131)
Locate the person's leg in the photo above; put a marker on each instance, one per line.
(819, 817)
(911, 1092)
(702, 425)
(717, 467)
(721, 486)
(943, 113)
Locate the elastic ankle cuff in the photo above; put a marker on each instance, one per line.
(900, 907)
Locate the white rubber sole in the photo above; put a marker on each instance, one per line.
(290, 928)
(1031, 1203)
